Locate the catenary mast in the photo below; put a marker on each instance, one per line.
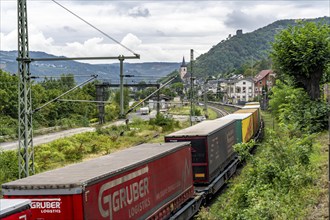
(25, 149)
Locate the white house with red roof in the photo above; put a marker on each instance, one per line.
(264, 80)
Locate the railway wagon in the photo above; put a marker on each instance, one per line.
(211, 147)
(15, 209)
(255, 114)
(243, 126)
(147, 181)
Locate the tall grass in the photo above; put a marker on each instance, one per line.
(281, 181)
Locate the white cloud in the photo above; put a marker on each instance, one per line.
(131, 41)
(8, 41)
(38, 41)
(139, 11)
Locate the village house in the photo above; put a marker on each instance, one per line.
(239, 90)
(264, 81)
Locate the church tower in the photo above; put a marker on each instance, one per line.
(183, 69)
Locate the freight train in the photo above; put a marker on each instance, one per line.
(169, 180)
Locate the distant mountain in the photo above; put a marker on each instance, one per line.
(106, 72)
(232, 53)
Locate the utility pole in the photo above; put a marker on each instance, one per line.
(205, 98)
(25, 139)
(191, 86)
(100, 105)
(121, 59)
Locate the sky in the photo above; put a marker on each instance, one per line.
(160, 31)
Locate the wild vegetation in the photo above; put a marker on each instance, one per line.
(55, 114)
(285, 178)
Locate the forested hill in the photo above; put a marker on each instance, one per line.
(106, 72)
(232, 53)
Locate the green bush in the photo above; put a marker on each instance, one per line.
(167, 124)
(243, 149)
(8, 166)
(296, 112)
(275, 184)
(46, 157)
(8, 126)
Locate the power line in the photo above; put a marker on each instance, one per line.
(63, 76)
(53, 100)
(102, 32)
(88, 101)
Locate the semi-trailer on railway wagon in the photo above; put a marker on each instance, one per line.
(243, 126)
(148, 181)
(212, 147)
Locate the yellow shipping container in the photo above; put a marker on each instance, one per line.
(247, 128)
(255, 115)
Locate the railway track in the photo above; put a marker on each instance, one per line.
(219, 111)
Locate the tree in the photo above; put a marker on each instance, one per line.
(8, 94)
(169, 92)
(178, 88)
(302, 53)
(294, 110)
(126, 98)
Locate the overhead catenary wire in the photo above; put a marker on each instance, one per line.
(133, 76)
(88, 101)
(102, 32)
(53, 100)
(61, 76)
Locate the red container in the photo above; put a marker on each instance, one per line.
(211, 147)
(15, 209)
(145, 181)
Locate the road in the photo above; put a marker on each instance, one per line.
(43, 139)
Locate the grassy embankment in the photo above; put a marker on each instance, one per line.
(185, 110)
(285, 179)
(85, 146)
